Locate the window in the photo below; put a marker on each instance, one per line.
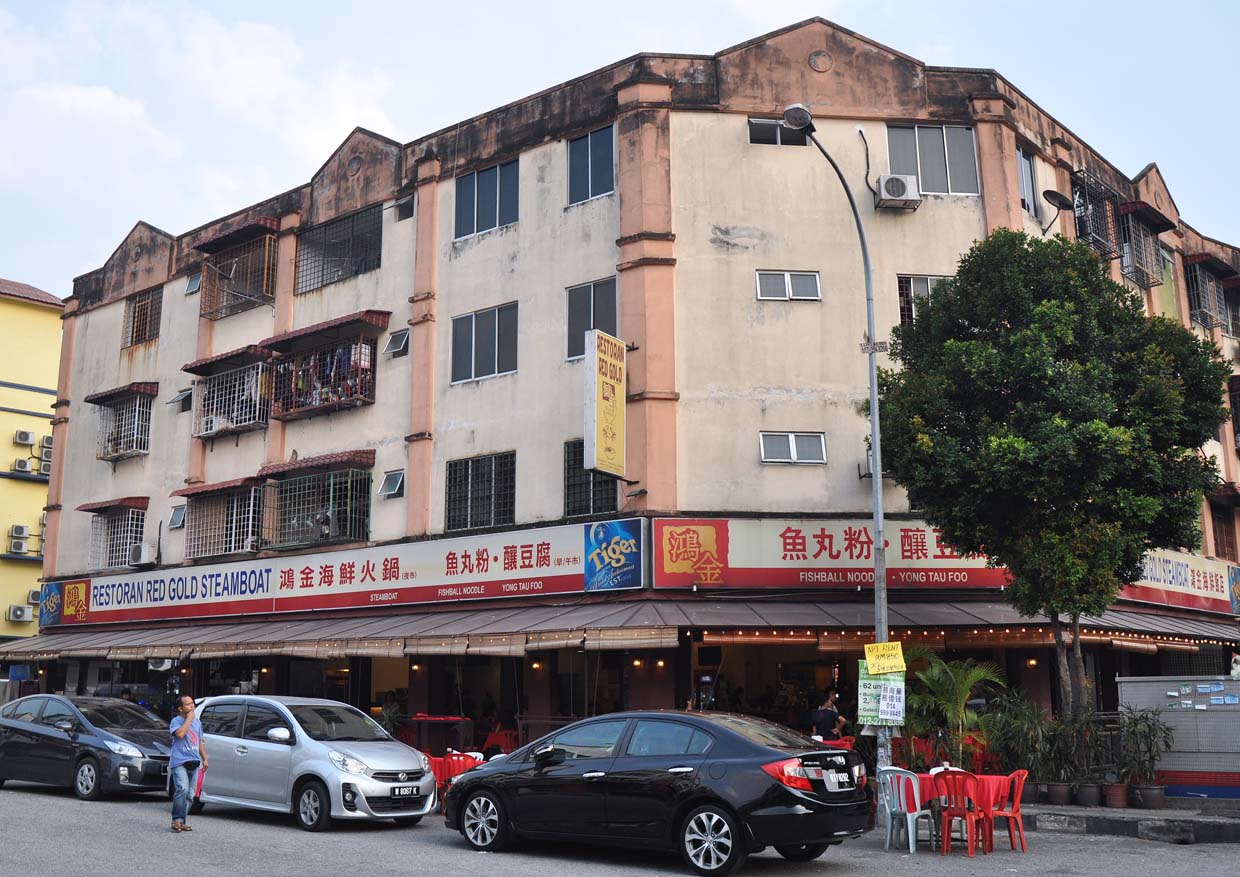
(788, 285)
(239, 278)
(56, 711)
(1207, 302)
(1096, 206)
(112, 534)
(177, 520)
(1224, 532)
(481, 492)
(404, 208)
(793, 447)
(315, 509)
(1028, 182)
(484, 343)
(775, 133)
(259, 720)
(339, 249)
(393, 484)
(591, 166)
(586, 492)
(124, 428)
(194, 284)
(184, 400)
(487, 199)
(397, 343)
(233, 401)
(591, 306)
(912, 291)
(941, 157)
(329, 377)
(597, 740)
(28, 709)
(667, 738)
(142, 312)
(1139, 252)
(223, 523)
(223, 719)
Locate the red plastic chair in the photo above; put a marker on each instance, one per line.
(843, 742)
(1009, 809)
(506, 741)
(959, 793)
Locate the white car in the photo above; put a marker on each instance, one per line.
(318, 759)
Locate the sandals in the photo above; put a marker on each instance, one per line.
(181, 826)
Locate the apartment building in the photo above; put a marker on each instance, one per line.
(333, 442)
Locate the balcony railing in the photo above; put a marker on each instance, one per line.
(331, 377)
(239, 278)
(1096, 206)
(1140, 257)
(1206, 303)
(234, 401)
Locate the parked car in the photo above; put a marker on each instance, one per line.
(713, 786)
(318, 759)
(92, 744)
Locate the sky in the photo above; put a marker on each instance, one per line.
(178, 113)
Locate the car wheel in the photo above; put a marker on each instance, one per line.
(196, 806)
(484, 824)
(313, 807)
(86, 780)
(802, 852)
(711, 841)
(407, 821)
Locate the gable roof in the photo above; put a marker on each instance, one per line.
(26, 292)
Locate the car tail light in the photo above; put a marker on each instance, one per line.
(790, 773)
(859, 775)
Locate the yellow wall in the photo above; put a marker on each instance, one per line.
(30, 358)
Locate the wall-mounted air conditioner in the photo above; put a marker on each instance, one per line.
(19, 531)
(899, 191)
(19, 546)
(211, 424)
(45, 454)
(141, 554)
(47, 441)
(24, 437)
(18, 612)
(45, 469)
(43, 519)
(24, 465)
(34, 597)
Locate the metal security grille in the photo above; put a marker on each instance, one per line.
(239, 278)
(586, 491)
(339, 249)
(1096, 206)
(1140, 257)
(1206, 303)
(327, 378)
(223, 523)
(234, 401)
(312, 509)
(142, 312)
(111, 535)
(124, 428)
(482, 492)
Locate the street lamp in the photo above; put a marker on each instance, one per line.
(799, 117)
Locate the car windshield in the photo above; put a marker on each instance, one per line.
(765, 733)
(336, 723)
(125, 716)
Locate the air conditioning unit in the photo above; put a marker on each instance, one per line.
(45, 469)
(24, 437)
(34, 597)
(43, 519)
(19, 546)
(19, 531)
(23, 464)
(899, 191)
(45, 454)
(142, 554)
(160, 665)
(211, 424)
(47, 441)
(18, 612)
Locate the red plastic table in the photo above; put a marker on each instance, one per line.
(991, 790)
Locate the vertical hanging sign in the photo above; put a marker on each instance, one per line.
(606, 386)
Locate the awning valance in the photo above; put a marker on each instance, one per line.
(370, 322)
(138, 388)
(125, 502)
(222, 362)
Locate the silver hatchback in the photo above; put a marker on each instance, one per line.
(318, 759)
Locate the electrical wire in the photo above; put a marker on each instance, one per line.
(861, 134)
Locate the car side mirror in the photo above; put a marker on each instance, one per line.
(548, 754)
(65, 725)
(279, 735)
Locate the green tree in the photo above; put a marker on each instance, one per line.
(1043, 420)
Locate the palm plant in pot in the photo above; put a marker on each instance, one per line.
(1090, 752)
(1016, 728)
(1058, 754)
(1145, 738)
(942, 695)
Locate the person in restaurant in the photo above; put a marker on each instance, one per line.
(389, 713)
(126, 694)
(827, 719)
(184, 759)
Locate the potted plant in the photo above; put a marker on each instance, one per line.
(1087, 762)
(1057, 762)
(1016, 728)
(1145, 738)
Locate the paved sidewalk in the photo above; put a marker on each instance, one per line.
(1177, 825)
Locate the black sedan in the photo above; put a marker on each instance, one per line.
(92, 744)
(714, 786)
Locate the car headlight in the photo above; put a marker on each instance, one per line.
(426, 762)
(124, 749)
(347, 763)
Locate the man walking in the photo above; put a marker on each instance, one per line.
(187, 753)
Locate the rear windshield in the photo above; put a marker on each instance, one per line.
(336, 723)
(765, 733)
(125, 716)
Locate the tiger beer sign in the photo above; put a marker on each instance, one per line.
(605, 388)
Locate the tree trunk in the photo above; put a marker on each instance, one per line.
(1079, 687)
(1066, 702)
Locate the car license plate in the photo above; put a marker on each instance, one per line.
(404, 791)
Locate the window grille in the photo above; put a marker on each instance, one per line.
(313, 509)
(237, 400)
(124, 428)
(586, 492)
(1140, 259)
(481, 492)
(239, 278)
(112, 533)
(142, 312)
(327, 378)
(223, 523)
(339, 249)
(1096, 206)
(912, 291)
(1206, 303)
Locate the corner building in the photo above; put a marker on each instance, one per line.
(332, 443)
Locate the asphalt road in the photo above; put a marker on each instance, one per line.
(49, 832)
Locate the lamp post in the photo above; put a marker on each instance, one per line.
(799, 117)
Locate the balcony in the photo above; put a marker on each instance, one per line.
(124, 426)
(239, 272)
(1096, 206)
(223, 522)
(315, 509)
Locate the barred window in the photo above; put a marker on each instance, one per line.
(339, 249)
(586, 492)
(481, 492)
(124, 428)
(1207, 304)
(1140, 256)
(237, 400)
(313, 509)
(112, 533)
(912, 291)
(223, 523)
(239, 278)
(487, 199)
(142, 312)
(1096, 206)
(324, 379)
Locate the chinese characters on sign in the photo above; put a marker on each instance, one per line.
(880, 697)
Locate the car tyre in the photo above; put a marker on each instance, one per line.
(87, 783)
(801, 852)
(711, 841)
(484, 824)
(407, 821)
(313, 806)
(196, 806)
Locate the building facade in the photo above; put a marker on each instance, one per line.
(333, 442)
(29, 358)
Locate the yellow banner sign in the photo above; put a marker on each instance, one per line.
(606, 386)
(884, 658)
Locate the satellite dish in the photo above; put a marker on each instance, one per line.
(1057, 200)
